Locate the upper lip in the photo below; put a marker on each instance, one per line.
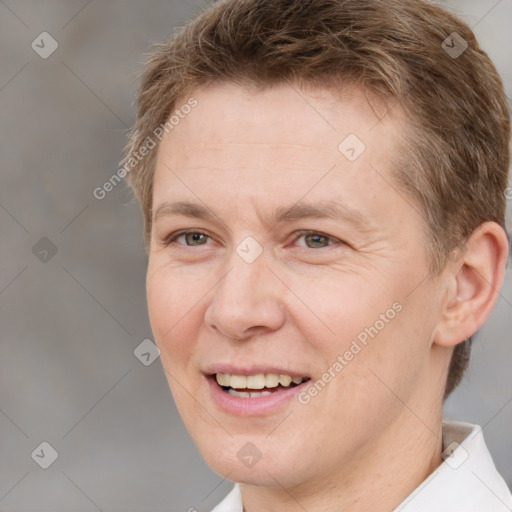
(250, 370)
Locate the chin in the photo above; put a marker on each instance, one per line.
(253, 461)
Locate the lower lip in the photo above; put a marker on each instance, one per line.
(257, 406)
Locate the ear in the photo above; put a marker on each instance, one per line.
(474, 283)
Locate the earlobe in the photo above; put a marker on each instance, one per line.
(475, 285)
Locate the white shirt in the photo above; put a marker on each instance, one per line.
(467, 480)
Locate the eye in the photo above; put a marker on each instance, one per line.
(191, 238)
(316, 240)
(312, 239)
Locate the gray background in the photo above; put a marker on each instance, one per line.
(70, 325)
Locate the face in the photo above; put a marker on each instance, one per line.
(288, 282)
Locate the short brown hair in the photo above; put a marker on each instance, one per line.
(455, 161)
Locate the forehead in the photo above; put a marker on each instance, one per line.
(277, 144)
(285, 115)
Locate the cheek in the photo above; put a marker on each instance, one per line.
(173, 313)
(175, 316)
(362, 328)
(171, 295)
(336, 309)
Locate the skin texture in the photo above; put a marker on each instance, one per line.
(373, 434)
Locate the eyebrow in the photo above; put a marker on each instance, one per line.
(298, 211)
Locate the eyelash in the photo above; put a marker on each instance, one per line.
(172, 238)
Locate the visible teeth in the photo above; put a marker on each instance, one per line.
(245, 394)
(285, 380)
(238, 381)
(240, 394)
(258, 381)
(223, 379)
(271, 380)
(260, 393)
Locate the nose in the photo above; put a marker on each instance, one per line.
(246, 301)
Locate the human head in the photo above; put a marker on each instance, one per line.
(454, 161)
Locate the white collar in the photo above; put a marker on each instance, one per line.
(467, 480)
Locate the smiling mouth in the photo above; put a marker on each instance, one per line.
(254, 386)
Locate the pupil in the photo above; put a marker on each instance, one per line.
(316, 239)
(195, 237)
